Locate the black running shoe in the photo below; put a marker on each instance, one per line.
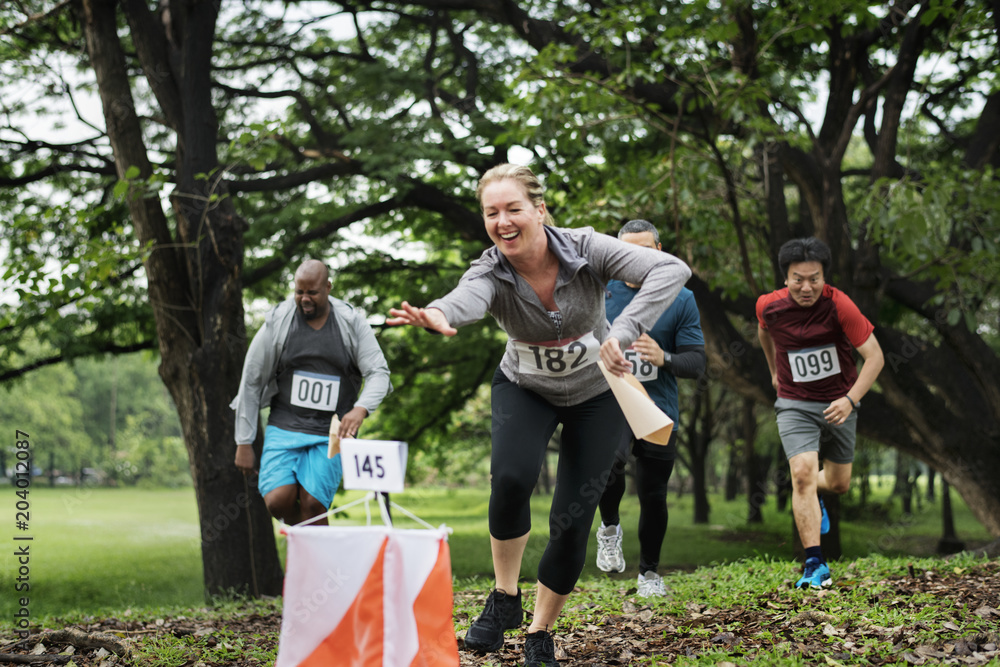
(539, 650)
(502, 612)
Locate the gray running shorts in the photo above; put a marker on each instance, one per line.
(803, 428)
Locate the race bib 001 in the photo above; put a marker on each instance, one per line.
(814, 363)
(558, 360)
(315, 391)
(643, 370)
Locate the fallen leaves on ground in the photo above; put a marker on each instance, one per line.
(769, 624)
(778, 621)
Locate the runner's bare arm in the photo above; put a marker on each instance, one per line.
(767, 344)
(840, 409)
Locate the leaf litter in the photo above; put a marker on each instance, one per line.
(766, 626)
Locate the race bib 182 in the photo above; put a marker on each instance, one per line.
(315, 391)
(557, 360)
(814, 363)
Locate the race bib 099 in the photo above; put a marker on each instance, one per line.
(315, 391)
(557, 360)
(814, 363)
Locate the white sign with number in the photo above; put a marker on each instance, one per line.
(315, 391)
(814, 363)
(373, 465)
(557, 360)
(642, 369)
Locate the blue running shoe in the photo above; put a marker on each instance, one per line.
(824, 521)
(816, 574)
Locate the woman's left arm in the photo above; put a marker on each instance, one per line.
(660, 276)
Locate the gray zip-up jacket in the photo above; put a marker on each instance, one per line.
(259, 383)
(587, 260)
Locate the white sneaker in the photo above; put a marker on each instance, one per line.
(651, 585)
(609, 549)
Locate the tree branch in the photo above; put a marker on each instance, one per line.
(34, 18)
(111, 348)
(278, 262)
(54, 169)
(294, 179)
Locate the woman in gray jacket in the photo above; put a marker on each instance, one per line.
(545, 287)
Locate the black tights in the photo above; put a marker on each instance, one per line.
(523, 422)
(651, 477)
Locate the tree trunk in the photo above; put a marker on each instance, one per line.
(698, 437)
(733, 476)
(864, 488)
(699, 490)
(916, 470)
(197, 302)
(782, 481)
(756, 481)
(949, 542)
(903, 488)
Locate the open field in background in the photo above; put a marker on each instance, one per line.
(99, 550)
(95, 549)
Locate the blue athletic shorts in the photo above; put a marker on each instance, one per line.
(298, 458)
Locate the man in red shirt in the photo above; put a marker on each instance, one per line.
(809, 331)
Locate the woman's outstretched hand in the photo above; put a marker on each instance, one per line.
(428, 318)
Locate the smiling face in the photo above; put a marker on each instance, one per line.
(513, 223)
(805, 282)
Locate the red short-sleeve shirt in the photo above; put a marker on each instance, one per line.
(814, 346)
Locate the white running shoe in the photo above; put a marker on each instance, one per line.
(609, 549)
(651, 585)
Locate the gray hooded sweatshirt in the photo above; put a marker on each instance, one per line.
(259, 383)
(587, 260)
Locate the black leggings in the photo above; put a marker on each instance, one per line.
(651, 478)
(523, 423)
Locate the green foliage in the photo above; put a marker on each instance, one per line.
(916, 223)
(75, 276)
(49, 410)
(151, 462)
(111, 416)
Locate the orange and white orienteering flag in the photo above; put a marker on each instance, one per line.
(367, 596)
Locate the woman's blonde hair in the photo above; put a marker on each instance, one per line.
(521, 174)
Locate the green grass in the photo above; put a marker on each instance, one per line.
(99, 551)
(95, 550)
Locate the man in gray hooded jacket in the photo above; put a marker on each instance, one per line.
(307, 363)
